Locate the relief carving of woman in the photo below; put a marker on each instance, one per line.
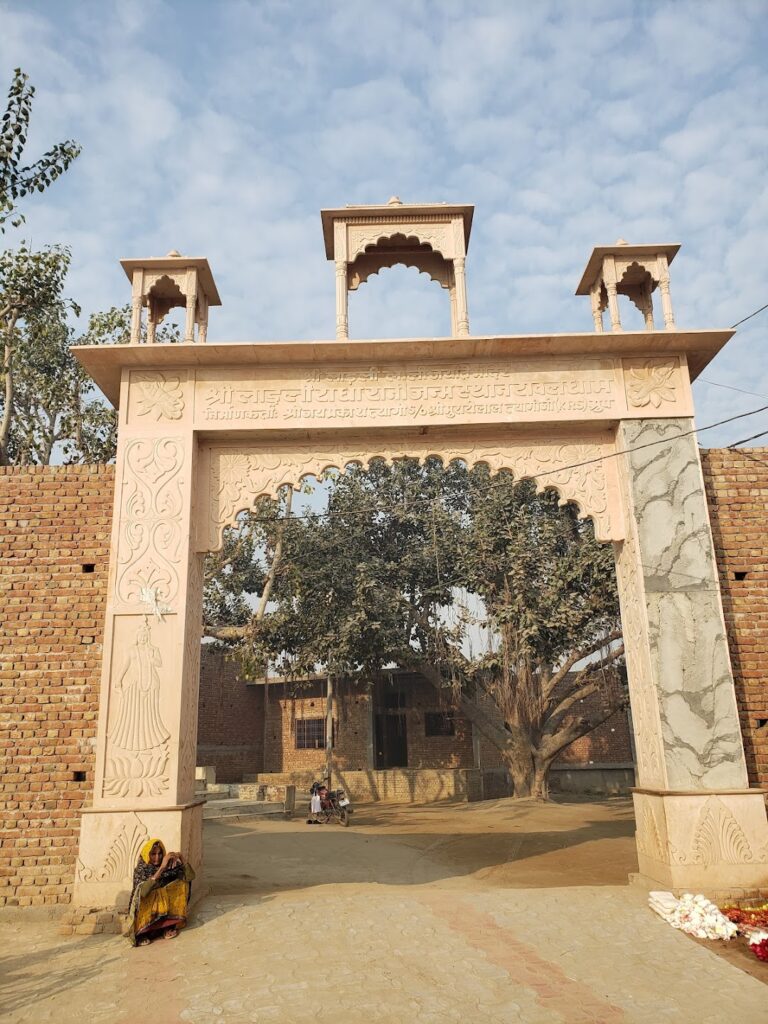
(139, 725)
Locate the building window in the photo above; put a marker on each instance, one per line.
(439, 723)
(310, 733)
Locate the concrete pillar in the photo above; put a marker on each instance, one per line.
(699, 826)
(147, 735)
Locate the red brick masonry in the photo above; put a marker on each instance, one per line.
(54, 559)
(737, 492)
(55, 524)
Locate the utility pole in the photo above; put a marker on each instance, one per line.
(329, 729)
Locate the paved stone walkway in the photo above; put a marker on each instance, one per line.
(450, 928)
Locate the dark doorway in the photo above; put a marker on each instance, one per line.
(391, 741)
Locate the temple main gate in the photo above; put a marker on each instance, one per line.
(603, 417)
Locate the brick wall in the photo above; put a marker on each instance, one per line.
(431, 751)
(285, 704)
(54, 522)
(737, 492)
(230, 730)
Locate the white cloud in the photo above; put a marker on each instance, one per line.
(223, 129)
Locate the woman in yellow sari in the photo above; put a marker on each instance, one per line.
(161, 887)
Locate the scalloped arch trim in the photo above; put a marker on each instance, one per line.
(430, 263)
(238, 475)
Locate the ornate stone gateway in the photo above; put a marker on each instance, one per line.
(603, 417)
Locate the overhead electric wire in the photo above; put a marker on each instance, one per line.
(745, 318)
(586, 462)
(549, 472)
(753, 437)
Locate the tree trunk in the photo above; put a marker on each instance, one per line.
(5, 424)
(523, 774)
(276, 558)
(513, 744)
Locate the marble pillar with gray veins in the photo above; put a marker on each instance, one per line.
(691, 670)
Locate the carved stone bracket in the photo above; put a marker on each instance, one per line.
(237, 475)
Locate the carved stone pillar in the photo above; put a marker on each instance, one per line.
(609, 279)
(147, 736)
(648, 304)
(666, 298)
(202, 324)
(191, 309)
(137, 297)
(462, 313)
(699, 826)
(454, 320)
(342, 299)
(597, 314)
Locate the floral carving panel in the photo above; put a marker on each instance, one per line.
(121, 856)
(576, 469)
(151, 513)
(652, 383)
(157, 396)
(718, 838)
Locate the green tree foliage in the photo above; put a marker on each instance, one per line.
(376, 581)
(32, 305)
(17, 179)
(54, 409)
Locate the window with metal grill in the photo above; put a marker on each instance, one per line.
(310, 733)
(439, 723)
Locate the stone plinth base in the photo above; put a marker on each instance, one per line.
(703, 841)
(110, 841)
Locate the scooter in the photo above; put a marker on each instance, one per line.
(328, 805)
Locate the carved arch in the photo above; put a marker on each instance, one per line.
(365, 239)
(395, 247)
(236, 475)
(163, 295)
(426, 262)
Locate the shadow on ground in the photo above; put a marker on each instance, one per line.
(504, 843)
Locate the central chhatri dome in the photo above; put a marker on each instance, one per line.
(433, 237)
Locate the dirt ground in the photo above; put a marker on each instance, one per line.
(472, 913)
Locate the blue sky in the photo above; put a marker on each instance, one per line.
(221, 128)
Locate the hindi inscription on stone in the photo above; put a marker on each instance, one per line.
(477, 391)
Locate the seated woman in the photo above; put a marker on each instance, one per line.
(161, 887)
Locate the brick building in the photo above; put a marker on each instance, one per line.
(54, 544)
(397, 721)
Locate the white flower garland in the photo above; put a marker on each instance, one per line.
(695, 915)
